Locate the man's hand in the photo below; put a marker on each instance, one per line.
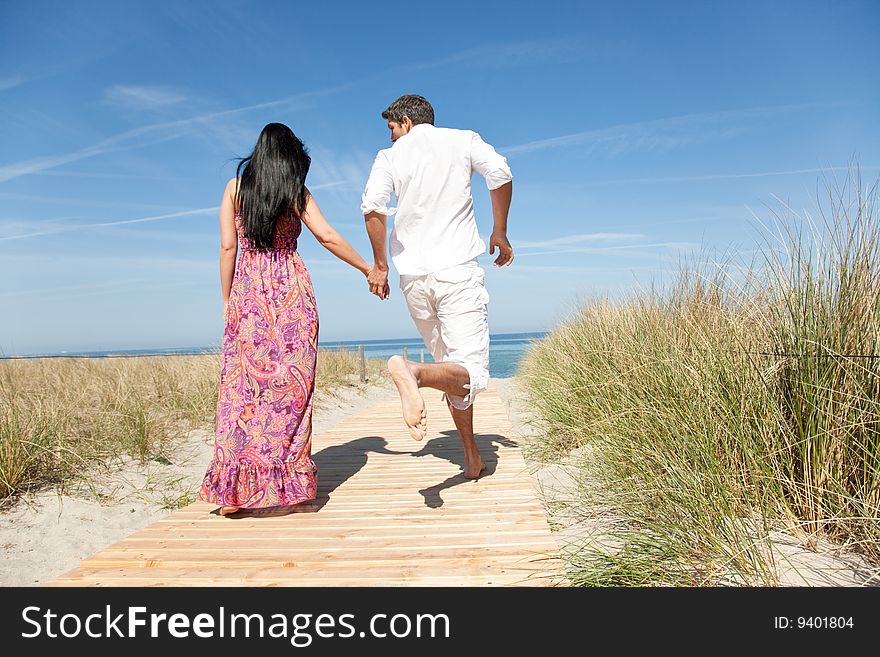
(378, 282)
(505, 251)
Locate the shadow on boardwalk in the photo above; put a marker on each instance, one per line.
(352, 456)
(449, 447)
(346, 460)
(343, 460)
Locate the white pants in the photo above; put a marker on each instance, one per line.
(450, 310)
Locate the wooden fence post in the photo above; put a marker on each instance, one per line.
(363, 363)
(405, 354)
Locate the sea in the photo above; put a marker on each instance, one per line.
(505, 350)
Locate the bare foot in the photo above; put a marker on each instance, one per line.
(414, 414)
(226, 510)
(473, 471)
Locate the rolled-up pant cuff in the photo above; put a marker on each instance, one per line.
(479, 381)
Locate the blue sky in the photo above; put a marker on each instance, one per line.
(638, 134)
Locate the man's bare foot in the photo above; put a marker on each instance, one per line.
(474, 470)
(226, 510)
(414, 414)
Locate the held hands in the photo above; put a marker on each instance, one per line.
(505, 251)
(377, 279)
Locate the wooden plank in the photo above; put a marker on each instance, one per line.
(528, 541)
(327, 531)
(208, 528)
(329, 514)
(525, 552)
(130, 579)
(413, 572)
(341, 511)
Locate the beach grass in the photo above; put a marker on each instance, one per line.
(59, 416)
(740, 402)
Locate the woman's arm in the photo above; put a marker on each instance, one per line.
(330, 239)
(228, 241)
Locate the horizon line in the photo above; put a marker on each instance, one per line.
(175, 351)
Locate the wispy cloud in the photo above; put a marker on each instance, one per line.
(168, 130)
(727, 176)
(68, 200)
(65, 289)
(78, 227)
(666, 133)
(559, 50)
(11, 83)
(109, 145)
(143, 97)
(623, 248)
(98, 174)
(18, 260)
(563, 269)
(153, 133)
(52, 227)
(329, 185)
(579, 239)
(348, 171)
(11, 226)
(575, 244)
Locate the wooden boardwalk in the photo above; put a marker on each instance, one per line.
(390, 512)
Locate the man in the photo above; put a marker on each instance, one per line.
(434, 246)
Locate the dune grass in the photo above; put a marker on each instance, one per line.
(739, 402)
(60, 415)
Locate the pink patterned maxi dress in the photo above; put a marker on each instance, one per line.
(263, 432)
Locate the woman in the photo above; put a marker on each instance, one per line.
(262, 447)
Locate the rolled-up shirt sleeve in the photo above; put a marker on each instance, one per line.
(488, 163)
(379, 187)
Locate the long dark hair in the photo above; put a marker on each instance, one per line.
(273, 183)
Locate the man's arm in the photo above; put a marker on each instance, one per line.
(500, 208)
(378, 277)
(493, 167)
(374, 206)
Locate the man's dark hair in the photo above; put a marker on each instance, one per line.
(417, 108)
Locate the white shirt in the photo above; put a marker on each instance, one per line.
(429, 170)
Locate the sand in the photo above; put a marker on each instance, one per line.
(45, 534)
